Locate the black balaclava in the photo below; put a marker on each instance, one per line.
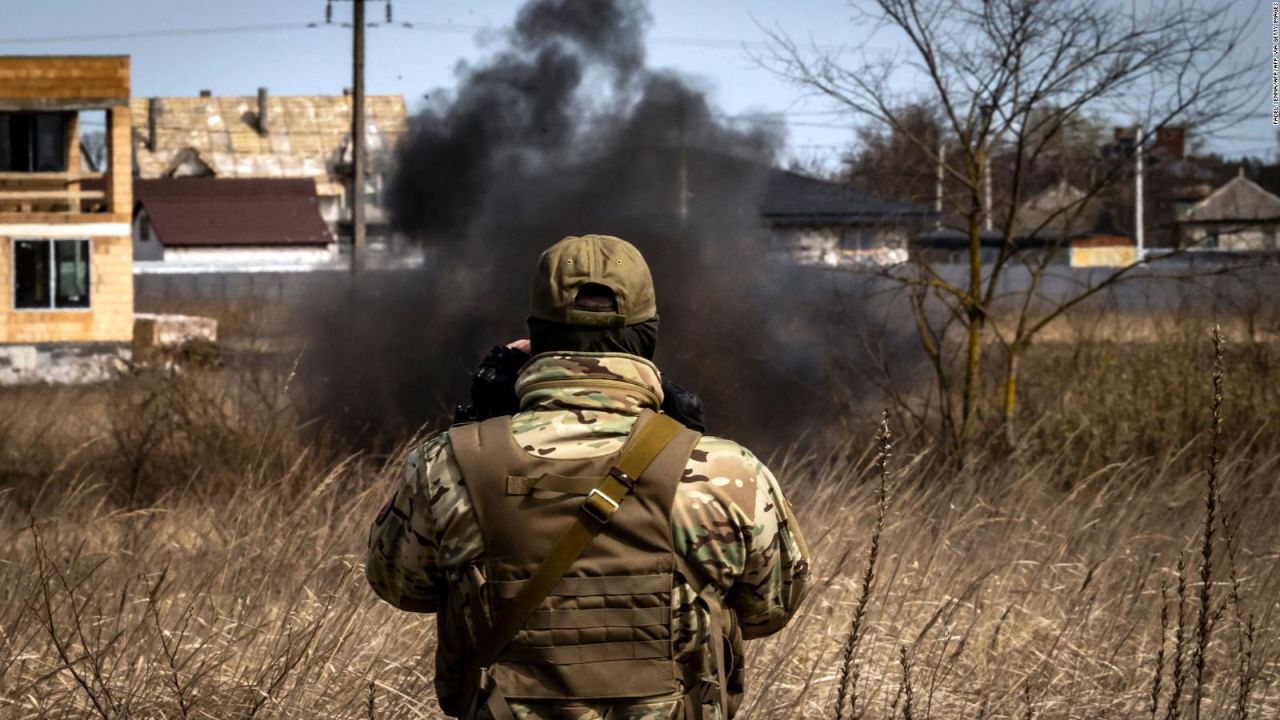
(639, 339)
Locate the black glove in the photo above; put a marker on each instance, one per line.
(493, 386)
(682, 405)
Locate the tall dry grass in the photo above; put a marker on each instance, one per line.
(174, 546)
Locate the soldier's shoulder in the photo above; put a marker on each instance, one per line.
(722, 471)
(431, 449)
(723, 454)
(430, 462)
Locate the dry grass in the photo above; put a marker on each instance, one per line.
(175, 547)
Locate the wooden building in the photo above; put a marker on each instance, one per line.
(65, 244)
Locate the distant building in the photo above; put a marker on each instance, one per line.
(245, 224)
(1240, 216)
(1066, 221)
(1059, 211)
(270, 137)
(822, 222)
(1061, 225)
(65, 253)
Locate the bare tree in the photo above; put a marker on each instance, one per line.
(1017, 74)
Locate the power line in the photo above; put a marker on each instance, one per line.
(155, 34)
(455, 28)
(675, 40)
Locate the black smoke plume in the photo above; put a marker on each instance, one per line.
(566, 131)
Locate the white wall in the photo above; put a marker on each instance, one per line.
(238, 256)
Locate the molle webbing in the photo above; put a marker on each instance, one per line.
(604, 629)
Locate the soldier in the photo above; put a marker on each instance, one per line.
(589, 557)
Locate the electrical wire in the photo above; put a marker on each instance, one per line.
(421, 26)
(155, 34)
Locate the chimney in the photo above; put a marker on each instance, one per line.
(206, 93)
(262, 111)
(153, 115)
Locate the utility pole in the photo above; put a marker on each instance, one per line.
(986, 191)
(1137, 196)
(359, 153)
(937, 200)
(987, 110)
(357, 138)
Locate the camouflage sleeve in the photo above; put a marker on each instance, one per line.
(426, 528)
(776, 578)
(731, 520)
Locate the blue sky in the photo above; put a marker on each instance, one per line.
(710, 40)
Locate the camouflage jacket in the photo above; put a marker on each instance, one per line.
(729, 517)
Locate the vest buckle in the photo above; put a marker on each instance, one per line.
(599, 507)
(616, 473)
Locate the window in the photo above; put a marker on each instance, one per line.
(50, 274)
(33, 142)
(858, 238)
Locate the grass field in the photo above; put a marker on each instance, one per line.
(178, 546)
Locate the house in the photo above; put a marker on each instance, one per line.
(1060, 224)
(821, 222)
(1059, 211)
(1063, 217)
(273, 137)
(244, 223)
(1238, 217)
(66, 282)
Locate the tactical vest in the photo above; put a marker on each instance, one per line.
(604, 630)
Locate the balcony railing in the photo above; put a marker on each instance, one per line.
(51, 192)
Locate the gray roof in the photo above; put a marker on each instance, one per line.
(794, 198)
(1059, 210)
(1239, 199)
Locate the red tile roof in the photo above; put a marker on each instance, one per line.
(219, 212)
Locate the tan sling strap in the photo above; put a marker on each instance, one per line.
(644, 445)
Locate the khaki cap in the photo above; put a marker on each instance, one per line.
(600, 259)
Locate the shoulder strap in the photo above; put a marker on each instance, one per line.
(646, 442)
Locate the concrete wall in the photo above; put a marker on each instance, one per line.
(162, 292)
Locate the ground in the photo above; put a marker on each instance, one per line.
(177, 545)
